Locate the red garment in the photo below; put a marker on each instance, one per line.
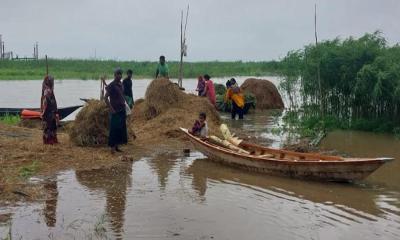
(49, 112)
(210, 92)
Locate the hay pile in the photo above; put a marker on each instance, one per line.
(90, 127)
(155, 118)
(165, 109)
(265, 92)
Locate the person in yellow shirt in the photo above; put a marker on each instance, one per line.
(234, 94)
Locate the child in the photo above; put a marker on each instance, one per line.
(200, 127)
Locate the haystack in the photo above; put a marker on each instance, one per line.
(166, 108)
(155, 118)
(160, 95)
(90, 127)
(265, 92)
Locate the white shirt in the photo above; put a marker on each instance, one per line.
(204, 130)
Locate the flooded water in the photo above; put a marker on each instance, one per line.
(367, 144)
(26, 93)
(171, 196)
(176, 197)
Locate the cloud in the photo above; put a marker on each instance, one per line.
(217, 30)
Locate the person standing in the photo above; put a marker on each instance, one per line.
(234, 94)
(162, 68)
(49, 111)
(209, 89)
(115, 100)
(127, 86)
(201, 84)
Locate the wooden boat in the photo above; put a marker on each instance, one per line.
(311, 166)
(63, 112)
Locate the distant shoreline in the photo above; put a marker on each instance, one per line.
(93, 69)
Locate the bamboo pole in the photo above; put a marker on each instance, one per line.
(47, 67)
(181, 54)
(183, 46)
(321, 106)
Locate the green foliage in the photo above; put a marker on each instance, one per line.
(93, 69)
(227, 106)
(396, 132)
(28, 170)
(249, 97)
(10, 119)
(359, 79)
(220, 89)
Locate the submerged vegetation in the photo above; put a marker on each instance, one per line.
(357, 86)
(92, 69)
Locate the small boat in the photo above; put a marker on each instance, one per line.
(311, 166)
(63, 112)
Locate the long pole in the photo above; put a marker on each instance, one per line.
(47, 67)
(181, 54)
(321, 107)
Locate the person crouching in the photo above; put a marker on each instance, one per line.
(200, 127)
(115, 100)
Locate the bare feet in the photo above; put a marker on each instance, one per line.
(117, 149)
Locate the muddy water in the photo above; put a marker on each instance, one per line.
(26, 93)
(366, 144)
(170, 196)
(68, 92)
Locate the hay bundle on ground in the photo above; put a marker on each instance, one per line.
(90, 127)
(160, 95)
(173, 109)
(31, 123)
(265, 92)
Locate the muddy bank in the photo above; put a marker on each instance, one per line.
(22, 155)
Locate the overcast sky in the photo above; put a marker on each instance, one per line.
(217, 29)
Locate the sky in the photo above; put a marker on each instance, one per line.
(252, 30)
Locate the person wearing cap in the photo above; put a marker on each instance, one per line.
(234, 94)
(162, 68)
(115, 100)
(127, 85)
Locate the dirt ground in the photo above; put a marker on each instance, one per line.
(23, 155)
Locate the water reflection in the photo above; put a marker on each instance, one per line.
(115, 182)
(369, 144)
(259, 125)
(176, 197)
(50, 207)
(352, 198)
(162, 165)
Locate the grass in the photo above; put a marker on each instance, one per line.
(99, 227)
(93, 69)
(10, 119)
(28, 170)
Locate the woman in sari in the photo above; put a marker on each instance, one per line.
(49, 111)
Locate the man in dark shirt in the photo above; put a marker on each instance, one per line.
(127, 85)
(114, 99)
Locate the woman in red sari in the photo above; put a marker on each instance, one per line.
(49, 111)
